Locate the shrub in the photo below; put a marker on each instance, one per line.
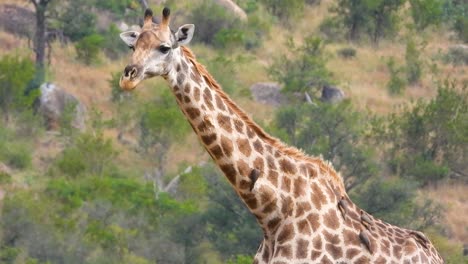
(426, 12)
(332, 29)
(77, 25)
(413, 62)
(396, 84)
(304, 73)
(456, 56)
(15, 74)
(461, 27)
(112, 48)
(87, 49)
(285, 10)
(210, 19)
(16, 154)
(347, 53)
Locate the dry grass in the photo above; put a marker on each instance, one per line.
(454, 198)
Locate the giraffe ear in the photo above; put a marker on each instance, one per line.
(129, 37)
(185, 34)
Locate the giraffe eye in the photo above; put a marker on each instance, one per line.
(164, 49)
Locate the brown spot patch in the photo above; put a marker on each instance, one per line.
(216, 151)
(208, 139)
(180, 79)
(286, 234)
(316, 254)
(192, 112)
(239, 125)
(208, 98)
(259, 164)
(331, 220)
(243, 168)
(313, 220)
(287, 206)
(187, 88)
(331, 238)
(196, 94)
(230, 172)
(186, 99)
(397, 251)
(271, 163)
(362, 260)
(299, 187)
(351, 253)
(286, 185)
(266, 254)
(205, 126)
(285, 251)
(273, 178)
(195, 76)
(270, 207)
(244, 146)
(301, 249)
(219, 103)
(179, 97)
(317, 196)
(317, 242)
(250, 132)
(258, 146)
(226, 144)
(225, 122)
(303, 227)
(273, 224)
(325, 260)
(381, 260)
(335, 251)
(351, 238)
(287, 166)
(266, 194)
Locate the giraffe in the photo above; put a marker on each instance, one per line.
(299, 201)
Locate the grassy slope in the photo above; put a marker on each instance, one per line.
(363, 80)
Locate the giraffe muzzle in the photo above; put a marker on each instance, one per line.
(130, 77)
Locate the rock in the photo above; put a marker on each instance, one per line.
(331, 94)
(268, 93)
(17, 20)
(233, 8)
(54, 102)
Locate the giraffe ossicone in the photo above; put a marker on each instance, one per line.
(300, 202)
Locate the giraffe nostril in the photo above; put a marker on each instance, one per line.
(130, 71)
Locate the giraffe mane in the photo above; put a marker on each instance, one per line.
(325, 166)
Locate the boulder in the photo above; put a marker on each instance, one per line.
(233, 8)
(53, 104)
(331, 94)
(268, 93)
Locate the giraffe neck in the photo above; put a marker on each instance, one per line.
(240, 148)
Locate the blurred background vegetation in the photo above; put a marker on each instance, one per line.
(133, 185)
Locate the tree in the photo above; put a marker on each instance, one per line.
(40, 39)
(376, 18)
(334, 131)
(306, 71)
(426, 12)
(428, 141)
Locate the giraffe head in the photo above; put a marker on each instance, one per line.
(153, 49)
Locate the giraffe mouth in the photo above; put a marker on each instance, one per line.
(127, 84)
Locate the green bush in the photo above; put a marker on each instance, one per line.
(332, 29)
(77, 25)
(287, 11)
(211, 19)
(426, 12)
(456, 56)
(87, 49)
(307, 71)
(461, 27)
(15, 74)
(347, 53)
(397, 83)
(16, 154)
(414, 62)
(112, 48)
